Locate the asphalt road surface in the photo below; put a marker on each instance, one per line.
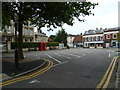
(72, 68)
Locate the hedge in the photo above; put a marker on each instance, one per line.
(26, 45)
(52, 43)
(34, 44)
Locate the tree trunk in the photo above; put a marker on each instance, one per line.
(20, 37)
(20, 42)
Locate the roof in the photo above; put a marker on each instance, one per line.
(91, 31)
(112, 29)
(77, 38)
(72, 35)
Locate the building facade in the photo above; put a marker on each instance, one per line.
(78, 41)
(101, 38)
(110, 37)
(70, 40)
(29, 35)
(41, 37)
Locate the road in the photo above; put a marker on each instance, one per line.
(72, 68)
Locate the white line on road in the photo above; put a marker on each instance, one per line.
(63, 56)
(54, 58)
(72, 54)
(109, 54)
(34, 81)
(59, 64)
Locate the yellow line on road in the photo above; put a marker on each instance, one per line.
(112, 64)
(109, 77)
(29, 76)
(23, 76)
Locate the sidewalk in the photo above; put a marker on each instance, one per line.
(26, 65)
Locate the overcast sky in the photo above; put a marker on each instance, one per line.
(106, 16)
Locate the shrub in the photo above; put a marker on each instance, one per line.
(26, 45)
(52, 43)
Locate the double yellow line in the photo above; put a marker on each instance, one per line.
(106, 78)
(50, 64)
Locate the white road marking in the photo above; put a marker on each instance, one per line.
(83, 54)
(59, 64)
(109, 54)
(54, 58)
(72, 54)
(34, 81)
(63, 56)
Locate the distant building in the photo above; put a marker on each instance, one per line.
(70, 40)
(78, 41)
(110, 37)
(41, 37)
(93, 38)
(101, 38)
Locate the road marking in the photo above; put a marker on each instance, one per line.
(50, 64)
(109, 54)
(34, 81)
(109, 76)
(83, 54)
(71, 54)
(59, 63)
(54, 58)
(106, 78)
(63, 56)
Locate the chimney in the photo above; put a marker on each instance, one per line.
(96, 28)
(81, 34)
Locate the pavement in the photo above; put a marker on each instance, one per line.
(117, 82)
(26, 65)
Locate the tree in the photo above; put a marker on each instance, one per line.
(44, 13)
(52, 37)
(61, 37)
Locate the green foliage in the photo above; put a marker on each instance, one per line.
(61, 37)
(52, 43)
(52, 37)
(44, 13)
(118, 36)
(34, 44)
(26, 45)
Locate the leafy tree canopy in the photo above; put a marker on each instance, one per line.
(47, 13)
(61, 37)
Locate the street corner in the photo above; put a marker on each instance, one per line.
(24, 69)
(28, 75)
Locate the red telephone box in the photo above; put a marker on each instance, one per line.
(40, 45)
(44, 45)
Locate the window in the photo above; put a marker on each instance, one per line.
(114, 36)
(108, 36)
(9, 28)
(101, 38)
(96, 38)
